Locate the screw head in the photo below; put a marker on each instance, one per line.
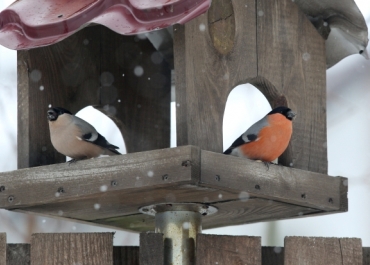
(165, 177)
(186, 163)
(257, 187)
(217, 178)
(60, 190)
(11, 199)
(331, 200)
(2, 188)
(114, 183)
(303, 196)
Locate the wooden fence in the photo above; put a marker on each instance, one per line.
(98, 249)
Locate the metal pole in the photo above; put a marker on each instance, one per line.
(179, 224)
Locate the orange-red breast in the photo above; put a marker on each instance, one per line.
(267, 139)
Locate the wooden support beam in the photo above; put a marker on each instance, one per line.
(125, 255)
(366, 255)
(151, 249)
(73, 248)
(322, 251)
(94, 67)
(214, 249)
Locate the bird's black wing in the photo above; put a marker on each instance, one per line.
(101, 141)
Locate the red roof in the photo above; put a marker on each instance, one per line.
(33, 23)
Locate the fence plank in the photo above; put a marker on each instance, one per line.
(322, 251)
(2, 249)
(74, 248)
(151, 249)
(125, 255)
(272, 256)
(366, 255)
(18, 254)
(215, 249)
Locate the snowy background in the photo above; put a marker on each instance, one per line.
(348, 125)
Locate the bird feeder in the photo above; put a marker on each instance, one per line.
(282, 47)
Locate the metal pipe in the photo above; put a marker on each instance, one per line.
(179, 229)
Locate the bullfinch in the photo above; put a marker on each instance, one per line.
(74, 137)
(267, 139)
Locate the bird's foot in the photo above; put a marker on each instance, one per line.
(72, 161)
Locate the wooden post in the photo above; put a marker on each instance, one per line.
(18, 254)
(125, 255)
(366, 255)
(322, 251)
(2, 249)
(96, 67)
(268, 43)
(272, 256)
(73, 248)
(151, 249)
(213, 249)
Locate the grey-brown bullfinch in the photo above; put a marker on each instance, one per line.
(74, 137)
(267, 139)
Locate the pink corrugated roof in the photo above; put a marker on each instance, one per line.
(33, 23)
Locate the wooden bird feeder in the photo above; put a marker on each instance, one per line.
(271, 44)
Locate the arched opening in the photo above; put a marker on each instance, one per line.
(104, 125)
(244, 106)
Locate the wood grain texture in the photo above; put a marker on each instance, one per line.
(92, 67)
(205, 76)
(125, 255)
(2, 248)
(366, 255)
(272, 256)
(151, 249)
(63, 182)
(214, 249)
(18, 254)
(290, 185)
(73, 248)
(291, 56)
(322, 251)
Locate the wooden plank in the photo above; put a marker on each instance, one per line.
(206, 72)
(125, 255)
(272, 256)
(138, 103)
(297, 69)
(74, 248)
(280, 183)
(2, 248)
(63, 182)
(18, 254)
(214, 249)
(322, 251)
(151, 249)
(95, 67)
(366, 255)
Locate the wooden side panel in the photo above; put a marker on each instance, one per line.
(2, 249)
(290, 185)
(151, 249)
(125, 255)
(74, 248)
(18, 254)
(214, 249)
(322, 251)
(291, 56)
(213, 53)
(96, 67)
(272, 256)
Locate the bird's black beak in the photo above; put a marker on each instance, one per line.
(290, 115)
(52, 116)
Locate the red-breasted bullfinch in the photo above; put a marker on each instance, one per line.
(74, 137)
(267, 139)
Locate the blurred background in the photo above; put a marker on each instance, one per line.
(348, 125)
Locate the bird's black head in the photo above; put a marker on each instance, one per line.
(287, 112)
(54, 113)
